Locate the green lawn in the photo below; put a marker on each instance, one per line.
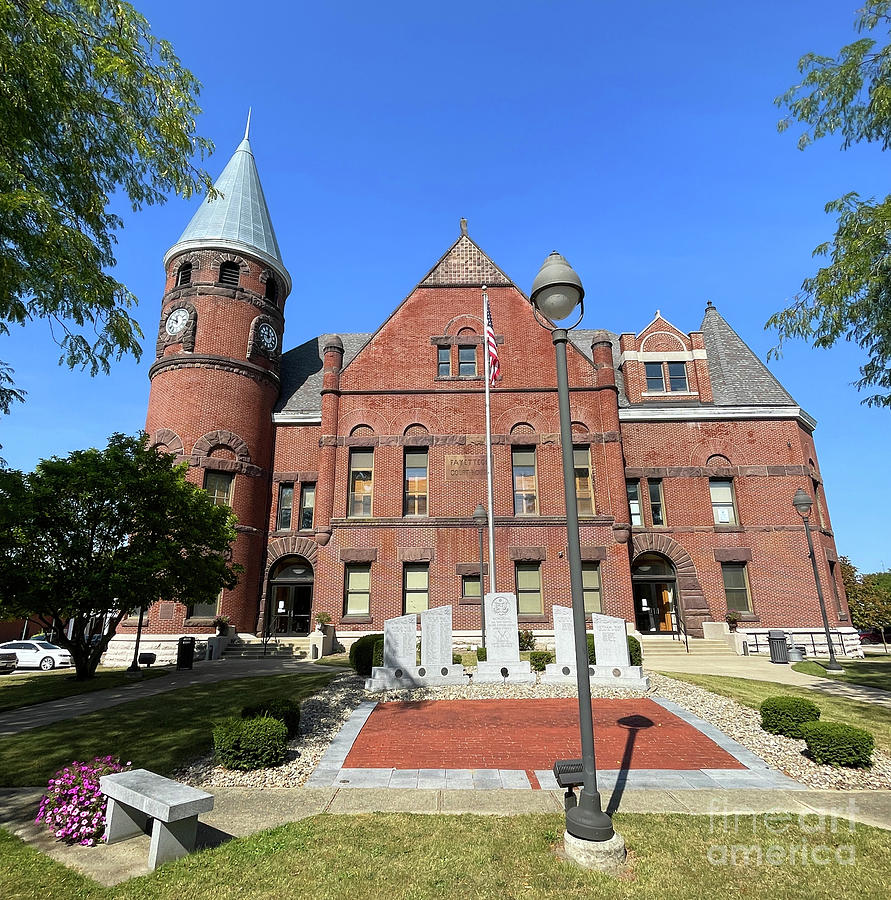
(23, 689)
(749, 692)
(874, 671)
(159, 733)
(424, 857)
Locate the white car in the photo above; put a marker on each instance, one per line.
(38, 654)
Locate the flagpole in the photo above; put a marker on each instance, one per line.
(491, 517)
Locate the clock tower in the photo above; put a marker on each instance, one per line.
(215, 379)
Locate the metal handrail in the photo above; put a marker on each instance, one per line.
(680, 627)
(756, 646)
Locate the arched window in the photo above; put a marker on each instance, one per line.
(271, 290)
(230, 273)
(184, 274)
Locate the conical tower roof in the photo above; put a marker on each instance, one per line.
(238, 219)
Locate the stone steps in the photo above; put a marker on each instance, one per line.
(654, 648)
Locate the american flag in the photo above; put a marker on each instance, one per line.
(494, 368)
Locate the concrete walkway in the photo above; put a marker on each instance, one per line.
(18, 720)
(242, 811)
(758, 669)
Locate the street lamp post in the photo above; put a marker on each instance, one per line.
(802, 503)
(481, 519)
(556, 292)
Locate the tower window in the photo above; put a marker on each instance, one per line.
(184, 274)
(230, 274)
(271, 290)
(219, 486)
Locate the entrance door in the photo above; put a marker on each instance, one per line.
(290, 591)
(652, 578)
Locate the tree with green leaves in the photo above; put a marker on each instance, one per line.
(91, 104)
(848, 95)
(869, 597)
(87, 540)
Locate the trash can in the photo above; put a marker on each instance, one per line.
(796, 654)
(185, 652)
(779, 652)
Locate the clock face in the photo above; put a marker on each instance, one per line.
(268, 337)
(177, 321)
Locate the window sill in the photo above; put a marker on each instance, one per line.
(363, 620)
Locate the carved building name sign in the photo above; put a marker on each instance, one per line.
(461, 467)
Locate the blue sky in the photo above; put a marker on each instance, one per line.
(638, 139)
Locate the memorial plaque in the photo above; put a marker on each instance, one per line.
(400, 642)
(436, 637)
(610, 641)
(564, 636)
(461, 467)
(502, 640)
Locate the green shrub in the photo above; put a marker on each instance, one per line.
(785, 715)
(457, 659)
(282, 708)
(527, 640)
(835, 744)
(377, 656)
(540, 658)
(251, 743)
(481, 654)
(361, 653)
(635, 654)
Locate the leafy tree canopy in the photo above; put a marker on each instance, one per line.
(91, 103)
(869, 597)
(849, 297)
(86, 540)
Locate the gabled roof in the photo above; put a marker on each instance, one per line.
(465, 265)
(738, 377)
(238, 219)
(301, 373)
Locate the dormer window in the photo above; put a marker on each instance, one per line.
(668, 376)
(184, 274)
(230, 274)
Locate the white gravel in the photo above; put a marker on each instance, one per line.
(323, 715)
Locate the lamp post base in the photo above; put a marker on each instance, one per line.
(605, 856)
(833, 666)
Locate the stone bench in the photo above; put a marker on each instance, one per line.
(136, 796)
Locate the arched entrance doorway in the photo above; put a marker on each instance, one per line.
(290, 590)
(654, 583)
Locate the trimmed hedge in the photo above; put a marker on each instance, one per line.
(539, 659)
(836, 744)
(361, 653)
(282, 708)
(786, 715)
(526, 639)
(634, 652)
(251, 743)
(377, 657)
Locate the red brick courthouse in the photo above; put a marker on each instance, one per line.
(354, 462)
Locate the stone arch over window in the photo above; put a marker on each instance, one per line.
(420, 418)
(580, 429)
(468, 332)
(522, 428)
(361, 431)
(278, 550)
(463, 322)
(415, 430)
(203, 453)
(662, 342)
(718, 460)
(165, 441)
(520, 415)
(691, 598)
(370, 419)
(220, 258)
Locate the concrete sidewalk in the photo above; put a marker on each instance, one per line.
(18, 720)
(239, 812)
(757, 669)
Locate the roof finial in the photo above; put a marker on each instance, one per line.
(247, 128)
(463, 224)
(709, 305)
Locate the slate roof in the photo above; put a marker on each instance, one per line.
(301, 373)
(738, 377)
(239, 219)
